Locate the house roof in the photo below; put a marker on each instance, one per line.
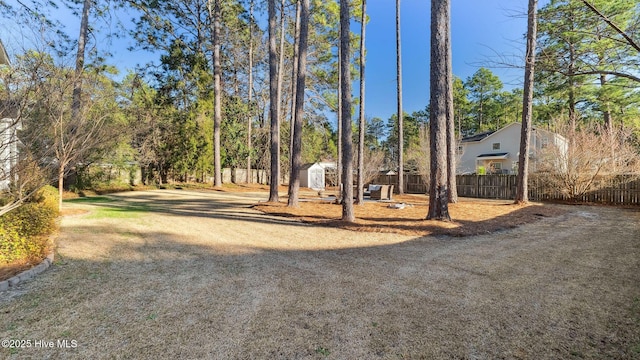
(481, 136)
(477, 137)
(4, 58)
(493, 156)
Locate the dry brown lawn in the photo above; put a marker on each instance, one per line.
(177, 274)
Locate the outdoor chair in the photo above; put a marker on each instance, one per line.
(379, 192)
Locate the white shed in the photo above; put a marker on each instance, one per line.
(312, 176)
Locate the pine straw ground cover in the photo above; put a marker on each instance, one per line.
(177, 274)
(470, 216)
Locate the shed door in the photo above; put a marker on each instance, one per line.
(316, 179)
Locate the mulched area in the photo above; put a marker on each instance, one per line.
(469, 216)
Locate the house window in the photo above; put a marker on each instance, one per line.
(496, 146)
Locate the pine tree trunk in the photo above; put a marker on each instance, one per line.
(294, 74)
(273, 105)
(281, 63)
(339, 123)
(296, 163)
(82, 42)
(400, 111)
(361, 120)
(281, 81)
(438, 191)
(217, 99)
(250, 117)
(522, 196)
(347, 142)
(606, 111)
(451, 126)
(76, 102)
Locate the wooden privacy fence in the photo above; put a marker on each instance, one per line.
(621, 190)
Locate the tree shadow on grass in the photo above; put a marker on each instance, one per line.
(209, 205)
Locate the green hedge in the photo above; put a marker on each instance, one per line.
(24, 232)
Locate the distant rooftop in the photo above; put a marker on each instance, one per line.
(477, 137)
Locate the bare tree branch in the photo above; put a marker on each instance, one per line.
(631, 42)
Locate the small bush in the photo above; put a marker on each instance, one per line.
(24, 231)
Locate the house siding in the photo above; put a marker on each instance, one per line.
(8, 151)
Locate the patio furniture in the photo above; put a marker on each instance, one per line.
(381, 192)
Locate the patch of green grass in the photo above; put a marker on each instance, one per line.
(152, 316)
(118, 212)
(322, 351)
(90, 200)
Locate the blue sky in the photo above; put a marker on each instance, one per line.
(482, 30)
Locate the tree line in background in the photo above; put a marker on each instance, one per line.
(227, 92)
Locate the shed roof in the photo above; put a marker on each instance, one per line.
(309, 166)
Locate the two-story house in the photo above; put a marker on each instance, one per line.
(497, 151)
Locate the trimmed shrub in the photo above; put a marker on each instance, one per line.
(24, 232)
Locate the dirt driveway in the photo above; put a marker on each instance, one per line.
(174, 274)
